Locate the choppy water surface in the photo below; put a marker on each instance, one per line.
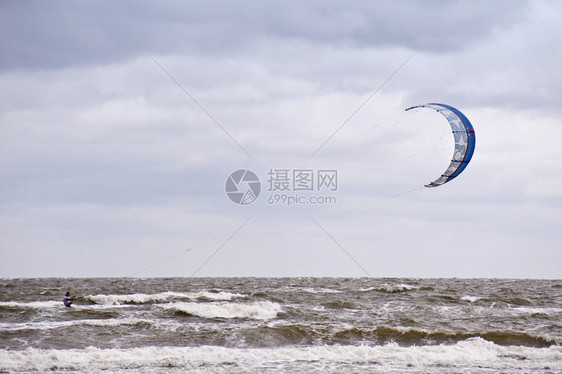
(306, 325)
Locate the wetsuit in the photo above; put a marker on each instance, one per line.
(67, 301)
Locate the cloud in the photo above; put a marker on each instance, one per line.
(103, 154)
(62, 34)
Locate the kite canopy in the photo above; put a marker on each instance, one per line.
(465, 141)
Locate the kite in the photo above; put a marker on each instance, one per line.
(465, 140)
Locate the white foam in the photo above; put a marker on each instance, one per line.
(33, 304)
(65, 324)
(536, 310)
(222, 295)
(137, 298)
(391, 288)
(321, 290)
(472, 355)
(472, 299)
(368, 289)
(262, 310)
(140, 298)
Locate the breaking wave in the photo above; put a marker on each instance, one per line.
(261, 310)
(160, 297)
(391, 288)
(30, 305)
(472, 299)
(410, 337)
(321, 290)
(471, 354)
(282, 325)
(74, 323)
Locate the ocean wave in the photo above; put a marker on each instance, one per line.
(65, 324)
(320, 290)
(472, 299)
(115, 300)
(31, 304)
(469, 355)
(549, 312)
(281, 335)
(391, 288)
(404, 336)
(509, 301)
(339, 304)
(162, 297)
(261, 310)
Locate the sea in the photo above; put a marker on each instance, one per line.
(281, 325)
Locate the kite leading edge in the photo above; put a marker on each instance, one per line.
(465, 140)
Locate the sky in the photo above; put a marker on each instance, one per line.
(120, 123)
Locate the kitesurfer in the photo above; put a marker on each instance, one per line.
(68, 300)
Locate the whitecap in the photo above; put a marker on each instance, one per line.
(472, 299)
(321, 290)
(261, 310)
(32, 304)
(471, 355)
(391, 288)
(163, 297)
(50, 325)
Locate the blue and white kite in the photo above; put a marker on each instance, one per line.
(465, 140)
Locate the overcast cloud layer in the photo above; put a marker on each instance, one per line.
(109, 168)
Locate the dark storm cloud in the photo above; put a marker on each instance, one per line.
(35, 34)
